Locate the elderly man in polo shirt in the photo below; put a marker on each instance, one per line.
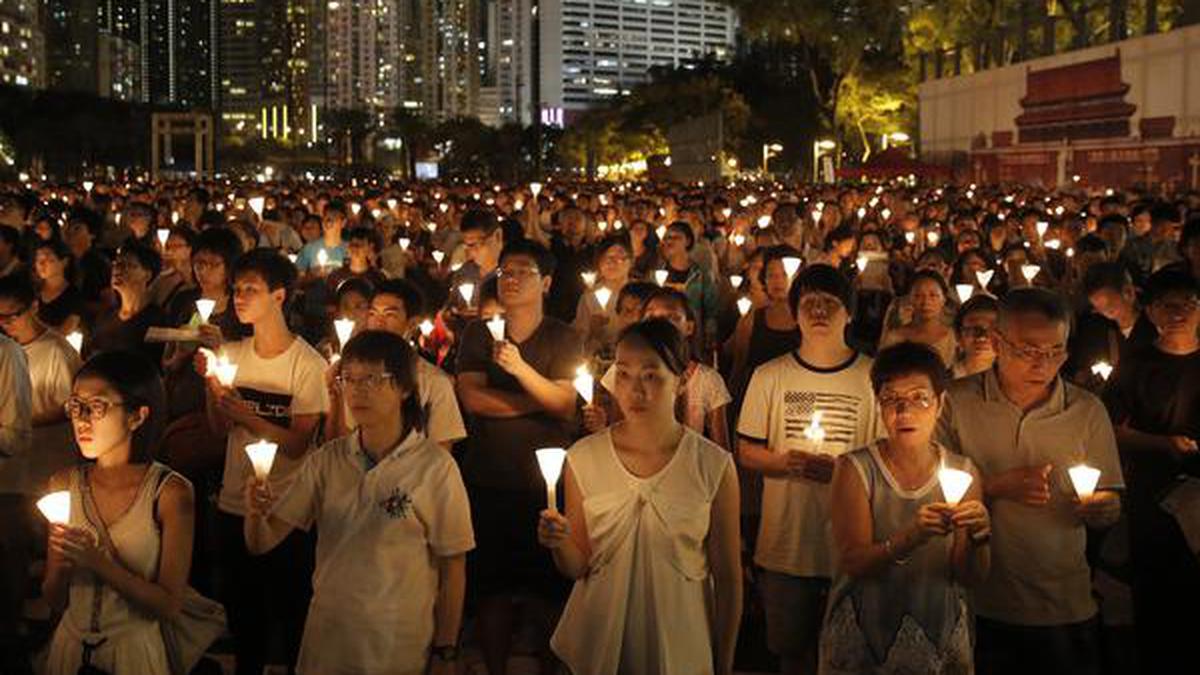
(1024, 427)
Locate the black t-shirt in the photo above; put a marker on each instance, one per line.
(500, 451)
(110, 333)
(58, 310)
(1156, 393)
(567, 286)
(1096, 338)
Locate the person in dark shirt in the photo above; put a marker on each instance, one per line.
(125, 328)
(1115, 327)
(519, 394)
(60, 305)
(572, 255)
(1154, 402)
(363, 245)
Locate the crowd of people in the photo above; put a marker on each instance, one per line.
(935, 429)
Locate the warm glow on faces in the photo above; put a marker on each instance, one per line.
(105, 433)
(1175, 314)
(387, 313)
(252, 298)
(928, 301)
(645, 388)
(910, 409)
(354, 307)
(1030, 349)
(976, 335)
(777, 281)
(821, 314)
(661, 308)
(370, 393)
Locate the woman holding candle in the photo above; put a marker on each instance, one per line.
(651, 516)
(927, 295)
(595, 320)
(973, 325)
(904, 548)
(114, 600)
(770, 330)
(388, 490)
(60, 305)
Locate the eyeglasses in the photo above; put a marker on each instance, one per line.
(369, 382)
(919, 400)
(89, 409)
(1034, 354)
(202, 264)
(518, 273)
(975, 331)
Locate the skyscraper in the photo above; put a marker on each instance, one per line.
(22, 49)
(594, 50)
(179, 42)
(71, 45)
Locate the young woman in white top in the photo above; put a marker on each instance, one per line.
(393, 525)
(650, 531)
(115, 600)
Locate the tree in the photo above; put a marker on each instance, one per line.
(416, 135)
(348, 127)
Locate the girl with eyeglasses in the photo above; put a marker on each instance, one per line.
(115, 590)
(394, 526)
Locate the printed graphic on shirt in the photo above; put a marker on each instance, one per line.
(398, 505)
(839, 415)
(272, 407)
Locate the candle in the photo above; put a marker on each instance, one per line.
(443, 207)
(257, 204)
(1084, 478)
(535, 188)
(355, 207)
(467, 290)
(815, 433)
(744, 304)
(1103, 369)
(1030, 271)
(224, 369)
(56, 507)
(322, 259)
(163, 235)
(426, 327)
(603, 225)
(735, 280)
(816, 216)
(602, 296)
(984, 277)
(910, 237)
(585, 384)
(661, 231)
(861, 263)
(438, 256)
(954, 484)
(764, 221)
(861, 213)
(88, 185)
(886, 213)
(964, 291)
(617, 224)
(205, 308)
(550, 461)
(1042, 226)
(293, 258)
(344, 329)
(262, 456)
(738, 239)
(791, 265)
(75, 339)
(404, 243)
(726, 212)
(933, 237)
(660, 276)
(495, 326)
(589, 278)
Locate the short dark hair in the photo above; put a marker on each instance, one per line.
(277, 271)
(18, 287)
(1034, 300)
(478, 220)
(979, 302)
(1091, 244)
(222, 242)
(541, 256)
(1164, 212)
(410, 296)
(336, 206)
(820, 278)
(367, 234)
(908, 358)
(138, 382)
(639, 290)
(619, 240)
(773, 253)
(1170, 280)
(671, 295)
(1107, 275)
(147, 257)
(682, 227)
(930, 275)
(185, 233)
(398, 359)
(663, 338)
(355, 285)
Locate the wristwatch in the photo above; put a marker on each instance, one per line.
(445, 653)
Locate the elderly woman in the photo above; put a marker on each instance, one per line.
(904, 547)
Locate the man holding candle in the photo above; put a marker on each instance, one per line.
(520, 395)
(1024, 427)
(1154, 400)
(482, 242)
(277, 396)
(393, 521)
(826, 380)
(332, 223)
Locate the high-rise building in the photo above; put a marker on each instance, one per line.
(22, 49)
(179, 43)
(71, 45)
(240, 67)
(118, 50)
(595, 50)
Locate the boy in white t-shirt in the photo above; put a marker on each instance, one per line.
(277, 395)
(824, 375)
(393, 524)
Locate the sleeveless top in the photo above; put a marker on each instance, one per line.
(767, 343)
(910, 618)
(132, 637)
(643, 606)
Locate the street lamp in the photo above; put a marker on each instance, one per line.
(770, 150)
(819, 148)
(896, 138)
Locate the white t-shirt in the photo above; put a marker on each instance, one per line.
(53, 363)
(380, 529)
(704, 392)
(292, 383)
(794, 536)
(15, 407)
